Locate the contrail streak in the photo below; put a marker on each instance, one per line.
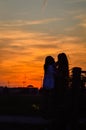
(44, 4)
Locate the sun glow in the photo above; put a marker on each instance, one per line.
(28, 35)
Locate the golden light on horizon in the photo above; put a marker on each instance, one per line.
(25, 57)
(28, 34)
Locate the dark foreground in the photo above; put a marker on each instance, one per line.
(22, 112)
(34, 123)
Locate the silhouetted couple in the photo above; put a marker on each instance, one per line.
(55, 82)
(56, 74)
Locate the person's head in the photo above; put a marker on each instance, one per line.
(63, 68)
(49, 60)
(62, 59)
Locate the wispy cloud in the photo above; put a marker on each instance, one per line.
(82, 20)
(83, 24)
(44, 4)
(24, 22)
(76, 1)
(19, 57)
(28, 35)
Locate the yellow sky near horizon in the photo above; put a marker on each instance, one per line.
(22, 64)
(34, 29)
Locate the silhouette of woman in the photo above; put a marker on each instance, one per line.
(62, 72)
(49, 73)
(62, 78)
(49, 85)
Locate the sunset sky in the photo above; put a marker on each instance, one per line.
(32, 29)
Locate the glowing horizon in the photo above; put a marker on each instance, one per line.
(28, 34)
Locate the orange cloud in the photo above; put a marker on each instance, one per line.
(23, 54)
